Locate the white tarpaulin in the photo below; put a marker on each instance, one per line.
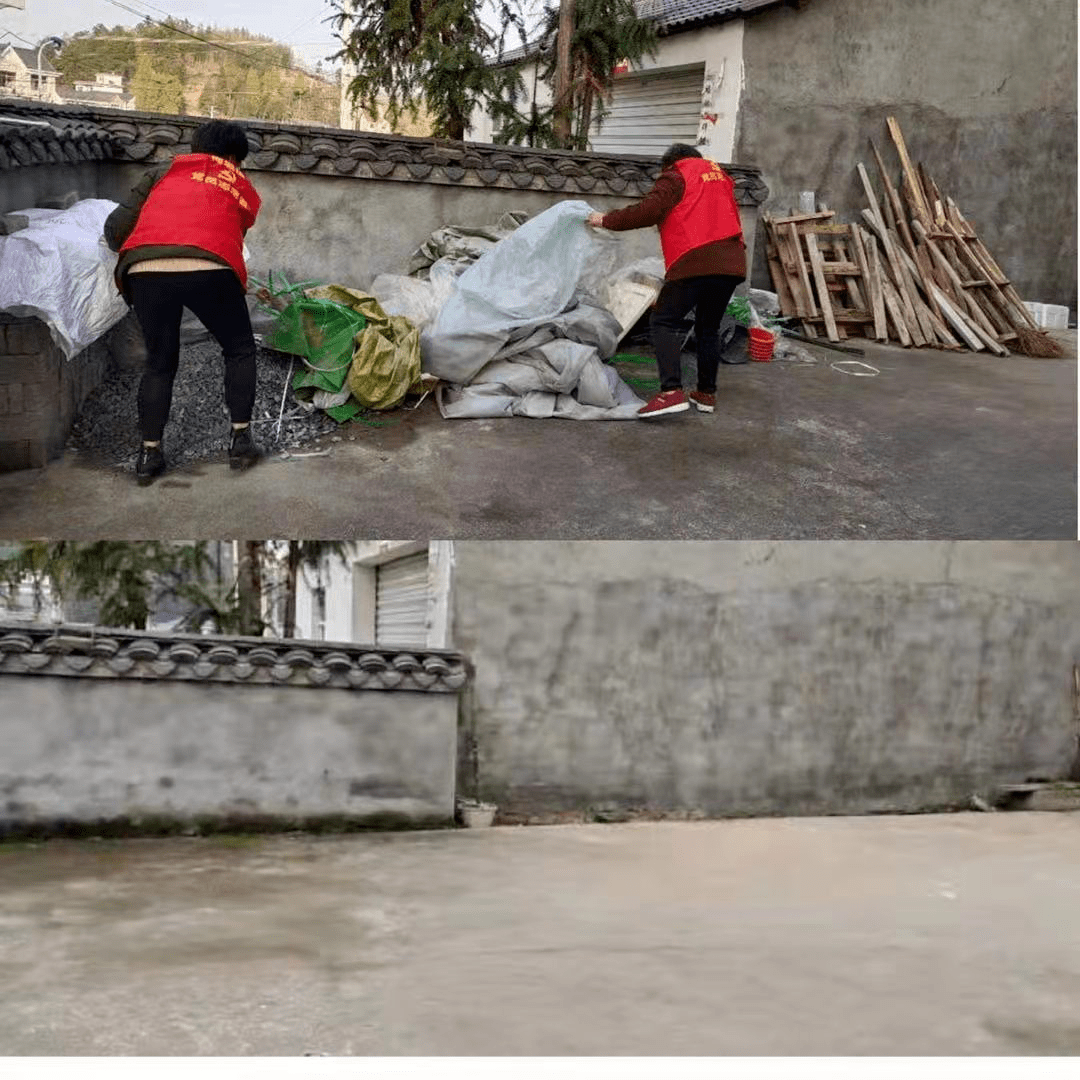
(60, 270)
(521, 333)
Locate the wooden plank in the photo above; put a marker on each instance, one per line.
(956, 293)
(971, 264)
(945, 277)
(821, 215)
(956, 219)
(917, 195)
(791, 272)
(849, 317)
(840, 269)
(933, 310)
(922, 331)
(899, 222)
(892, 304)
(874, 210)
(933, 195)
(795, 246)
(823, 291)
(822, 230)
(845, 247)
(959, 323)
(866, 256)
(873, 216)
(780, 281)
(892, 203)
(1019, 315)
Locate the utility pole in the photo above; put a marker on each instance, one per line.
(563, 88)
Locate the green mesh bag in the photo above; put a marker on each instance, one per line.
(322, 332)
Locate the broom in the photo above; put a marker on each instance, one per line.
(1031, 342)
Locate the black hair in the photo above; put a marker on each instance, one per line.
(221, 137)
(676, 153)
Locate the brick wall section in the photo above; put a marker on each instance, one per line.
(40, 391)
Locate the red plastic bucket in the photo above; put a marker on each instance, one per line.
(761, 344)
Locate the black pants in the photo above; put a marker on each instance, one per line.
(216, 298)
(708, 296)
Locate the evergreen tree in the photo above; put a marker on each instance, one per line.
(435, 53)
(127, 580)
(606, 32)
(155, 86)
(123, 578)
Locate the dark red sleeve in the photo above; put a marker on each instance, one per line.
(652, 207)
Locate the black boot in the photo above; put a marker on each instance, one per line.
(150, 464)
(243, 453)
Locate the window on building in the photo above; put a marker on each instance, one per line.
(319, 612)
(7, 78)
(401, 601)
(401, 596)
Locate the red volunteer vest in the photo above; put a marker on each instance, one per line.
(204, 202)
(707, 211)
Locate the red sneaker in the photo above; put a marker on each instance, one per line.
(701, 401)
(668, 401)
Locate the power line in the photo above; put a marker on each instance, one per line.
(20, 37)
(186, 33)
(176, 41)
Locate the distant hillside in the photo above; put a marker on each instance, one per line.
(242, 75)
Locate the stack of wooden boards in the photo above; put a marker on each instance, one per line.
(914, 272)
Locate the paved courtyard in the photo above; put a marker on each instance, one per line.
(935, 445)
(844, 936)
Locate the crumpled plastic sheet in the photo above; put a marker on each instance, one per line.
(416, 299)
(522, 333)
(463, 242)
(386, 353)
(60, 270)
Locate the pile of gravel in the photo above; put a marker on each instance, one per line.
(107, 426)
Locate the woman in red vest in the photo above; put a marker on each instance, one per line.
(180, 235)
(693, 203)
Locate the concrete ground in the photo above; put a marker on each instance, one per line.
(912, 935)
(934, 446)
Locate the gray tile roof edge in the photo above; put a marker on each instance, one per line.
(704, 14)
(28, 649)
(29, 57)
(149, 138)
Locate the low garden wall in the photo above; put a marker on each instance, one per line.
(115, 731)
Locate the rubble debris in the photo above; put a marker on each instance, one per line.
(914, 271)
(107, 426)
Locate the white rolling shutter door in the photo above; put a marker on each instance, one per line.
(401, 602)
(650, 112)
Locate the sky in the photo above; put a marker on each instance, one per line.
(298, 23)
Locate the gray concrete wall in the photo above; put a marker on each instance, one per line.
(984, 90)
(161, 754)
(38, 185)
(764, 678)
(348, 230)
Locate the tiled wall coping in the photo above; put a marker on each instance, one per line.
(78, 133)
(79, 651)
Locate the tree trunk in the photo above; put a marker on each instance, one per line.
(249, 587)
(585, 119)
(563, 85)
(292, 567)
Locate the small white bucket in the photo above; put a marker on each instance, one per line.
(477, 815)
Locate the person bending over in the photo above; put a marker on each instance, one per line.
(180, 235)
(693, 203)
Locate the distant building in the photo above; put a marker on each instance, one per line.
(20, 75)
(106, 89)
